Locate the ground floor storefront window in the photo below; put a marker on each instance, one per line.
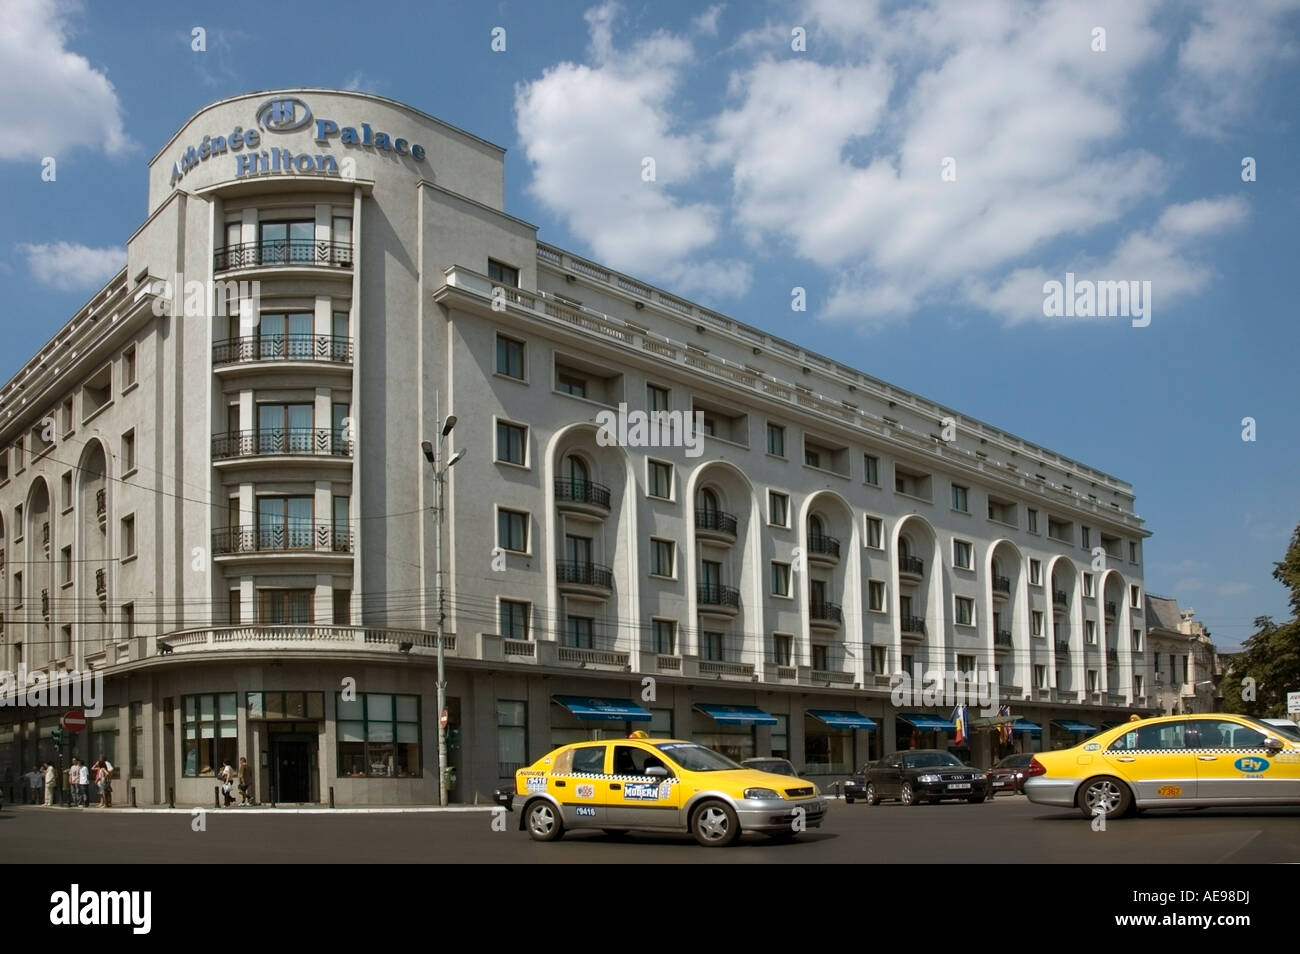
(827, 751)
(736, 742)
(210, 733)
(379, 736)
(512, 736)
(781, 736)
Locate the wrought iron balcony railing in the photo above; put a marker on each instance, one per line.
(911, 564)
(715, 595)
(913, 624)
(1059, 598)
(319, 538)
(582, 491)
(824, 609)
(283, 252)
(1001, 584)
(821, 543)
(585, 574)
(285, 347)
(717, 520)
(309, 441)
(1002, 638)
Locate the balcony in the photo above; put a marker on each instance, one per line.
(1062, 647)
(283, 253)
(289, 347)
(911, 569)
(281, 442)
(101, 585)
(830, 677)
(45, 604)
(823, 614)
(1059, 598)
(726, 670)
(913, 628)
(715, 525)
(585, 658)
(823, 549)
(586, 579)
(720, 600)
(304, 538)
(582, 496)
(101, 508)
(1002, 640)
(1110, 609)
(45, 537)
(304, 638)
(1001, 589)
(1112, 657)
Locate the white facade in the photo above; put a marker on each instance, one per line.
(247, 510)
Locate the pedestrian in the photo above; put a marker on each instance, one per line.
(227, 776)
(108, 781)
(74, 776)
(51, 777)
(83, 784)
(34, 779)
(98, 773)
(245, 782)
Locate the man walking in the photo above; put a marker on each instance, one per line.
(83, 784)
(74, 782)
(34, 779)
(245, 782)
(50, 778)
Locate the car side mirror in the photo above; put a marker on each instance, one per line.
(1273, 744)
(658, 771)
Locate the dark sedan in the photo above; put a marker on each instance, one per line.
(855, 786)
(1009, 774)
(924, 775)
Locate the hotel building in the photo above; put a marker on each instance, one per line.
(213, 490)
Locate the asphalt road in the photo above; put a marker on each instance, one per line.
(1006, 830)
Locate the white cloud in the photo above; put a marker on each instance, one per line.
(1234, 589)
(68, 266)
(707, 22)
(54, 100)
(588, 130)
(1223, 59)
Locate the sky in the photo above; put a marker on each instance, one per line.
(921, 170)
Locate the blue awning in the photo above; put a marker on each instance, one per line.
(926, 722)
(609, 710)
(736, 715)
(842, 719)
(1024, 725)
(1070, 726)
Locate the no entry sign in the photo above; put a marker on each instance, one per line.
(74, 720)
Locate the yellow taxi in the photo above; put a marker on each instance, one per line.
(619, 785)
(1185, 761)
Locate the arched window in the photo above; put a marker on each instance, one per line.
(904, 548)
(577, 473)
(815, 526)
(706, 501)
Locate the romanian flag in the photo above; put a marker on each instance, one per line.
(1004, 728)
(962, 722)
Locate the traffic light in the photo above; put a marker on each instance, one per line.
(57, 736)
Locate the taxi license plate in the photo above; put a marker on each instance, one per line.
(959, 784)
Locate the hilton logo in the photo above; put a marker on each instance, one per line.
(283, 115)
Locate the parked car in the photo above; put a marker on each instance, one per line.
(772, 765)
(1009, 774)
(658, 785)
(1185, 761)
(924, 775)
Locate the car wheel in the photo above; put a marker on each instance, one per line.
(976, 799)
(907, 796)
(544, 822)
(872, 797)
(1104, 795)
(714, 824)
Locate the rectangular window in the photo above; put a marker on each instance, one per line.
(1137, 642)
(1134, 596)
(965, 611)
(1138, 686)
(65, 491)
(512, 736)
(778, 509)
(1087, 584)
(285, 607)
(136, 760)
(1040, 677)
(285, 523)
(780, 579)
(1035, 572)
(961, 498)
(209, 731)
(711, 646)
(513, 619)
(871, 469)
(570, 384)
(65, 564)
(18, 522)
(1032, 517)
(510, 357)
(1132, 552)
(879, 659)
(234, 610)
(18, 590)
(128, 368)
(1036, 622)
(65, 416)
(812, 456)
(875, 528)
(965, 663)
(820, 658)
(782, 649)
(1090, 631)
(1086, 537)
(128, 536)
(664, 634)
(128, 620)
(661, 557)
(342, 600)
(502, 274)
(657, 397)
(378, 736)
(512, 530)
(961, 554)
(128, 451)
(578, 632)
(1094, 680)
(659, 479)
(511, 441)
(876, 595)
(776, 440)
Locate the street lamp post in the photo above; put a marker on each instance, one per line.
(439, 475)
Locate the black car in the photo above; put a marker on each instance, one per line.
(924, 775)
(855, 786)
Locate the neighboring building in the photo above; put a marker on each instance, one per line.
(231, 516)
(1186, 667)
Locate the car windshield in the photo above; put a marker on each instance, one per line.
(696, 758)
(775, 766)
(1288, 731)
(930, 760)
(1015, 761)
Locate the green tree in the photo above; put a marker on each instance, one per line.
(1268, 666)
